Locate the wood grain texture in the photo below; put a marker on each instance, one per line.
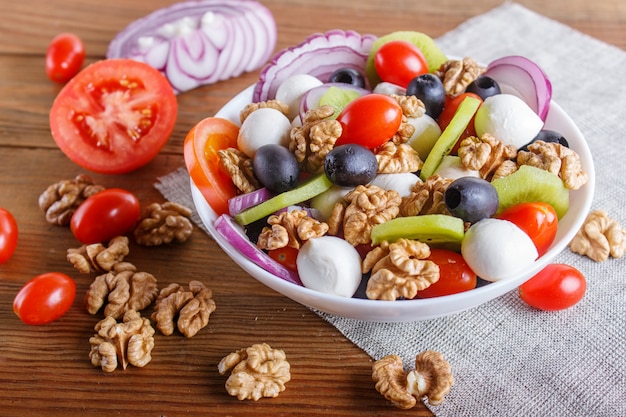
(44, 370)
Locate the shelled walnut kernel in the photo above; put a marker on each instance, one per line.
(128, 342)
(599, 237)
(60, 200)
(164, 223)
(257, 371)
(432, 378)
(99, 258)
(191, 308)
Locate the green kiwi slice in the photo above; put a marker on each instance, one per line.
(427, 228)
(529, 184)
(434, 56)
(338, 98)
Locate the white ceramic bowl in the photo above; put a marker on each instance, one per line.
(421, 309)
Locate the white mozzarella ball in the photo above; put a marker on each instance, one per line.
(401, 182)
(496, 249)
(263, 127)
(291, 90)
(330, 265)
(427, 131)
(508, 118)
(325, 201)
(452, 167)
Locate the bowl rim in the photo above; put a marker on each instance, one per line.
(416, 309)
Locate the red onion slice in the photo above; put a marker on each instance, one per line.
(234, 234)
(319, 55)
(243, 201)
(200, 42)
(524, 78)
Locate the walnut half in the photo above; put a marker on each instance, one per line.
(128, 342)
(164, 223)
(599, 237)
(257, 371)
(60, 200)
(432, 378)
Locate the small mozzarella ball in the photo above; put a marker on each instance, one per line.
(388, 89)
(427, 131)
(330, 265)
(401, 182)
(291, 90)
(325, 201)
(452, 167)
(496, 249)
(264, 126)
(508, 118)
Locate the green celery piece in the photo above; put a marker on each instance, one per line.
(303, 192)
(450, 135)
(427, 228)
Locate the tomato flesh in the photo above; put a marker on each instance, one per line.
(285, 256)
(556, 287)
(44, 298)
(398, 62)
(8, 235)
(201, 147)
(105, 215)
(538, 219)
(64, 57)
(454, 274)
(369, 120)
(114, 116)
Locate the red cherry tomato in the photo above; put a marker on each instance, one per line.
(454, 274)
(201, 148)
(114, 116)
(556, 287)
(539, 220)
(8, 235)
(45, 298)
(449, 109)
(285, 256)
(369, 120)
(398, 62)
(64, 57)
(105, 215)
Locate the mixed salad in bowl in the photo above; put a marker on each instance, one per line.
(377, 178)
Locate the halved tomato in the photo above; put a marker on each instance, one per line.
(114, 116)
(201, 148)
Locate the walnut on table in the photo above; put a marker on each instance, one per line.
(60, 200)
(291, 228)
(362, 209)
(426, 197)
(164, 223)
(486, 155)
(557, 159)
(311, 142)
(432, 378)
(599, 237)
(99, 258)
(257, 371)
(399, 270)
(189, 308)
(122, 289)
(128, 342)
(456, 75)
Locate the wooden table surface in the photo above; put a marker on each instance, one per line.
(45, 370)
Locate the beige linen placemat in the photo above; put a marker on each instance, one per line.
(508, 359)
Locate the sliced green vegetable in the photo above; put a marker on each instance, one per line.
(302, 192)
(427, 228)
(450, 135)
(338, 98)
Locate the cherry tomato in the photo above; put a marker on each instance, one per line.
(45, 298)
(8, 235)
(64, 57)
(454, 274)
(369, 120)
(105, 215)
(398, 62)
(539, 220)
(201, 148)
(556, 287)
(285, 256)
(449, 109)
(114, 116)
